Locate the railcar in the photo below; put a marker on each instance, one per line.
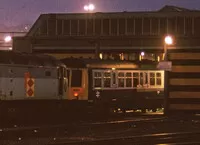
(111, 84)
(31, 85)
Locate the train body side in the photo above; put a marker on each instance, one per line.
(22, 82)
(127, 89)
(115, 84)
(31, 86)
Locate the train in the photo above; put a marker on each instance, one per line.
(116, 85)
(30, 84)
(41, 86)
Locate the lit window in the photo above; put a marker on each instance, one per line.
(97, 79)
(158, 78)
(128, 79)
(121, 79)
(107, 79)
(135, 79)
(152, 79)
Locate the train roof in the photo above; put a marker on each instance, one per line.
(97, 63)
(10, 57)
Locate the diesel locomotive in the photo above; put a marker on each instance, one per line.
(31, 85)
(42, 87)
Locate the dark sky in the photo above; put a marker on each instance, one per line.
(15, 12)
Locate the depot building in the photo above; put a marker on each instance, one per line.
(116, 35)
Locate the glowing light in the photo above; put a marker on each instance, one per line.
(168, 40)
(86, 8)
(101, 56)
(10, 48)
(7, 39)
(142, 53)
(89, 7)
(75, 94)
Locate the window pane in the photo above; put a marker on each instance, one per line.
(106, 74)
(158, 81)
(107, 82)
(135, 82)
(135, 74)
(114, 78)
(152, 81)
(158, 74)
(121, 82)
(121, 74)
(97, 74)
(97, 82)
(128, 74)
(152, 74)
(129, 82)
(76, 78)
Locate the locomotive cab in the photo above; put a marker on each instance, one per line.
(78, 80)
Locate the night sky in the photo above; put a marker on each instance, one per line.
(16, 12)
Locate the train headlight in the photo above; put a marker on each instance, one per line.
(75, 94)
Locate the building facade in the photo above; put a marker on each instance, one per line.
(120, 35)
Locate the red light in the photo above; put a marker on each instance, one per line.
(75, 94)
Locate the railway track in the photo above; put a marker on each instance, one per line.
(143, 129)
(187, 138)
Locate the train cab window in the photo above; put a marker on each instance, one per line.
(128, 79)
(76, 80)
(121, 79)
(97, 79)
(158, 78)
(135, 79)
(152, 79)
(107, 79)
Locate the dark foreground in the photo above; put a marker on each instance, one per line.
(127, 130)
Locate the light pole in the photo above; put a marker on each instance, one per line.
(167, 41)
